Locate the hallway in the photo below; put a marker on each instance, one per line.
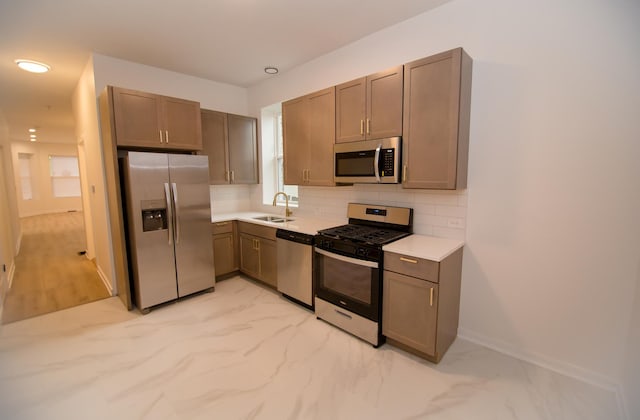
(50, 273)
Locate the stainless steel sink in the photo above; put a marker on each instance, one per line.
(273, 219)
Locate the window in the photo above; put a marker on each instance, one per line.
(65, 176)
(290, 190)
(273, 158)
(24, 164)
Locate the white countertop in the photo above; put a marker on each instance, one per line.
(303, 224)
(426, 247)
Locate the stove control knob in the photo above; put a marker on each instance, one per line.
(361, 252)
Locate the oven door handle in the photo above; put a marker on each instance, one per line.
(364, 263)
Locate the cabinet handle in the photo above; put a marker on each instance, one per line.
(222, 223)
(257, 244)
(404, 173)
(166, 136)
(160, 132)
(431, 297)
(233, 176)
(361, 127)
(409, 260)
(368, 126)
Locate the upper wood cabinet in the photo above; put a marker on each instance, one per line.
(308, 125)
(146, 120)
(370, 107)
(230, 142)
(437, 102)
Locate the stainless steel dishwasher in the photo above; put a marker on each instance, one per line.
(295, 275)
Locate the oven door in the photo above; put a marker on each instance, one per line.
(350, 283)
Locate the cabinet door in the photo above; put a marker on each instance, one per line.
(351, 110)
(224, 254)
(295, 131)
(437, 93)
(137, 117)
(249, 255)
(268, 262)
(384, 104)
(409, 311)
(214, 145)
(321, 109)
(243, 149)
(182, 125)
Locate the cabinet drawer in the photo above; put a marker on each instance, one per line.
(222, 227)
(265, 232)
(411, 266)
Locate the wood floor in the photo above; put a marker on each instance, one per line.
(50, 274)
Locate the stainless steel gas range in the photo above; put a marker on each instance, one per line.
(348, 268)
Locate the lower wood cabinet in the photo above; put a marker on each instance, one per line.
(225, 247)
(258, 255)
(421, 303)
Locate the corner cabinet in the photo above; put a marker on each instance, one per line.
(148, 121)
(437, 102)
(225, 247)
(258, 253)
(308, 125)
(230, 142)
(421, 303)
(370, 107)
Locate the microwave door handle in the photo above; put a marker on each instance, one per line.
(376, 165)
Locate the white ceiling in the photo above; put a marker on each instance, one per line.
(228, 41)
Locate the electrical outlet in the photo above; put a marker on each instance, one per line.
(455, 223)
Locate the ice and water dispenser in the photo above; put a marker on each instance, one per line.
(154, 215)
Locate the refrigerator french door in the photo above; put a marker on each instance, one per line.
(168, 218)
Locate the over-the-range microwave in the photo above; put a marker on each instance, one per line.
(368, 161)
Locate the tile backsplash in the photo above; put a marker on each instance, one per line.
(230, 198)
(435, 213)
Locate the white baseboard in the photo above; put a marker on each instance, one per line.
(557, 366)
(105, 280)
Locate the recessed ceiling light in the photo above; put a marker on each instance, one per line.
(32, 130)
(33, 136)
(32, 139)
(271, 70)
(32, 66)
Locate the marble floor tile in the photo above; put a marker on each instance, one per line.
(244, 352)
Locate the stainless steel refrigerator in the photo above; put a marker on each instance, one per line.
(168, 223)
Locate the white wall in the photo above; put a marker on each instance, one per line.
(552, 232)
(126, 74)
(7, 243)
(85, 109)
(43, 200)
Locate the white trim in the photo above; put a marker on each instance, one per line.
(12, 271)
(557, 366)
(19, 242)
(105, 280)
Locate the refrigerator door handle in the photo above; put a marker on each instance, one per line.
(176, 208)
(167, 196)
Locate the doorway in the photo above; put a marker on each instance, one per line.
(52, 271)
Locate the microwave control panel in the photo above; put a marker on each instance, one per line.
(387, 157)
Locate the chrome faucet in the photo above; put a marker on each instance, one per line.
(287, 212)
